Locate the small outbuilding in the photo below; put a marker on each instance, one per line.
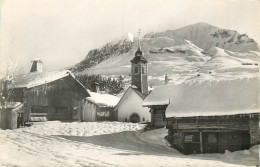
(99, 107)
(158, 102)
(10, 115)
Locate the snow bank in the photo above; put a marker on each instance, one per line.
(255, 150)
(81, 128)
(103, 99)
(245, 157)
(208, 98)
(10, 104)
(102, 144)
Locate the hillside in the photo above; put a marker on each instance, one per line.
(207, 36)
(200, 51)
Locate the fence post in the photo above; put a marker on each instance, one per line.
(201, 143)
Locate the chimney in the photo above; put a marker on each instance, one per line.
(36, 65)
(96, 88)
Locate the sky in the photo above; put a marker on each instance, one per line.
(61, 32)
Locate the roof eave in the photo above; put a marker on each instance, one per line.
(149, 105)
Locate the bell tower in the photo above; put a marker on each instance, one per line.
(139, 69)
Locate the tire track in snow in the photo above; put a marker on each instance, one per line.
(57, 156)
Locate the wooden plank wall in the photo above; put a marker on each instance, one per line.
(8, 119)
(254, 131)
(209, 123)
(89, 112)
(245, 126)
(158, 116)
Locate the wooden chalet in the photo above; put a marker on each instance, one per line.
(210, 116)
(54, 95)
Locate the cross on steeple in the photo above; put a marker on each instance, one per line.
(138, 33)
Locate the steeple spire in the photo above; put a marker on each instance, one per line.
(138, 33)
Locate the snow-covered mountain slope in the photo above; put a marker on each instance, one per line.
(198, 51)
(207, 36)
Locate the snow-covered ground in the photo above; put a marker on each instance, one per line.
(104, 144)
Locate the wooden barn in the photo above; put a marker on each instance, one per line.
(211, 116)
(54, 95)
(99, 107)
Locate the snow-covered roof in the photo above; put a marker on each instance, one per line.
(157, 97)
(104, 100)
(33, 79)
(126, 94)
(10, 104)
(36, 59)
(208, 98)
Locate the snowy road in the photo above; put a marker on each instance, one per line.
(102, 144)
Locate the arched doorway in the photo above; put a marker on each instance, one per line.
(134, 118)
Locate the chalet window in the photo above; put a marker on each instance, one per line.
(135, 70)
(143, 119)
(189, 138)
(192, 137)
(144, 69)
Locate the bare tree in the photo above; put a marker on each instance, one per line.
(6, 77)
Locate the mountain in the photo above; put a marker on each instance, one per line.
(207, 36)
(198, 51)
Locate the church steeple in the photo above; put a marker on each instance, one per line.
(139, 69)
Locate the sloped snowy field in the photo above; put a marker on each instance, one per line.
(103, 144)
